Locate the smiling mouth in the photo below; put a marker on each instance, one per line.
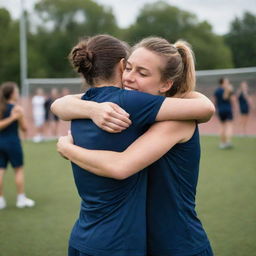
(129, 88)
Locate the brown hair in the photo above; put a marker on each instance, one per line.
(180, 65)
(96, 57)
(6, 91)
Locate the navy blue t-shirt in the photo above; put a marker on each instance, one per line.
(112, 217)
(10, 144)
(172, 224)
(223, 105)
(11, 131)
(243, 104)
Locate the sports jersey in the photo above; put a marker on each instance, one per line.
(38, 102)
(10, 145)
(112, 218)
(223, 105)
(172, 223)
(243, 104)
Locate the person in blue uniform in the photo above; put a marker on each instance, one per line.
(51, 120)
(245, 102)
(11, 119)
(224, 100)
(167, 198)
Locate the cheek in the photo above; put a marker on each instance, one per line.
(149, 86)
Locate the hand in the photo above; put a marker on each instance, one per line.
(110, 117)
(63, 142)
(17, 112)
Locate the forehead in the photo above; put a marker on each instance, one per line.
(147, 59)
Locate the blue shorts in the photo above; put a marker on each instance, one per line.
(225, 116)
(74, 252)
(11, 152)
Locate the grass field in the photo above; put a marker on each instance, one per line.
(226, 201)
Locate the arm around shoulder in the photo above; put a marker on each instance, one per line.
(195, 106)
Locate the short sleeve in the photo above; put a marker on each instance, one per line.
(142, 107)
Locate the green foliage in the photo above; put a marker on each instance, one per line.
(242, 40)
(162, 19)
(9, 48)
(63, 23)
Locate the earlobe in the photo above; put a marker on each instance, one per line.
(122, 64)
(166, 86)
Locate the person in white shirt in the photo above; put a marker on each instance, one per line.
(38, 101)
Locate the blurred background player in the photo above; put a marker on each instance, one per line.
(245, 103)
(11, 119)
(224, 101)
(51, 120)
(38, 108)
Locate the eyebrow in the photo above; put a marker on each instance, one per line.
(139, 67)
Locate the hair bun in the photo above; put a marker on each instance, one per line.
(82, 59)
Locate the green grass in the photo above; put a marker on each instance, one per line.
(225, 202)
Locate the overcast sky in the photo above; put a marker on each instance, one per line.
(219, 13)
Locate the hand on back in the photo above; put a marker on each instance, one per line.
(110, 117)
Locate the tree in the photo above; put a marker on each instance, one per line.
(242, 40)
(162, 19)
(63, 22)
(9, 48)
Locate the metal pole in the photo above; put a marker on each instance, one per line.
(23, 52)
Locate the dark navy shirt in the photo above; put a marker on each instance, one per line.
(223, 105)
(243, 104)
(112, 219)
(173, 226)
(11, 131)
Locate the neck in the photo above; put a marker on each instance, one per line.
(115, 84)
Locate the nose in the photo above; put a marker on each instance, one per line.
(129, 76)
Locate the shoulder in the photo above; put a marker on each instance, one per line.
(182, 130)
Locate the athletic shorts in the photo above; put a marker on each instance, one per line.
(11, 152)
(74, 252)
(225, 116)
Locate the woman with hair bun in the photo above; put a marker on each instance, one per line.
(112, 219)
(11, 119)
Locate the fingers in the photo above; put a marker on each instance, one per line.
(120, 110)
(120, 120)
(120, 117)
(111, 118)
(111, 130)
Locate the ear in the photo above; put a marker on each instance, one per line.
(122, 64)
(166, 86)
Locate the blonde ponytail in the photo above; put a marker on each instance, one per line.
(188, 77)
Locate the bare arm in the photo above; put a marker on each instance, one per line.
(120, 165)
(6, 122)
(195, 106)
(15, 115)
(108, 116)
(22, 121)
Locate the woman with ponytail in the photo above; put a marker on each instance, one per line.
(116, 226)
(11, 119)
